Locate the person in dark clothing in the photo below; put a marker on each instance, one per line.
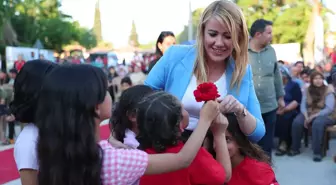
(166, 39)
(286, 115)
(113, 89)
(332, 72)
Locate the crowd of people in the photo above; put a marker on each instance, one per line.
(160, 134)
(6, 96)
(310, 106)
(120, 77)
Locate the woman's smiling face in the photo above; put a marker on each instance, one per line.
(217, 40)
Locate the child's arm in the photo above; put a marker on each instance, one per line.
(117, 144)
(221, 149)
(28, 177)
(163, 163)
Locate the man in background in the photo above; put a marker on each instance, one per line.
(267, 79)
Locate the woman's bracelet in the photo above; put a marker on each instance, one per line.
(241, 113)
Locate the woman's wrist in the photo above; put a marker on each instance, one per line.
(248, 124)
(241, 111)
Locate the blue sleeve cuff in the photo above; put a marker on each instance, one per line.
(258, 132)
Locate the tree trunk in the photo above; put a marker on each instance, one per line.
(308, 46)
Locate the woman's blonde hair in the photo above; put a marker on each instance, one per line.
(231, 15)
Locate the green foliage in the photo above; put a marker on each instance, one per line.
(292, 25)
(6, 10)
(290, 18)
(53, 30)
(42, 20)
(133, 38)
(87, 38)
(97, 27)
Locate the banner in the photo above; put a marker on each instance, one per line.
(13, 53)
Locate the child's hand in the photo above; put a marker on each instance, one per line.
(220, 124)
(117, 144)
(209, 111)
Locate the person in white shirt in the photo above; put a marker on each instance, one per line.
(137, 77)
(26, 90)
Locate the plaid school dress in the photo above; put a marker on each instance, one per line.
(122, 166)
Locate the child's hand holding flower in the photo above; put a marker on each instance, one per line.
(208, 93)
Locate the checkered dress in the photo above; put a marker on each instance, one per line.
(122, 166)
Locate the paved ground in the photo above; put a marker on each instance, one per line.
(301, 170)
(298, 170)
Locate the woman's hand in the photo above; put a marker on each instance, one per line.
(281, 103)
(281, 111)
(230, 104)
(309, 120)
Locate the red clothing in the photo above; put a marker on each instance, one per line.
(19, 64)
(105, 61)
(76, 61)
(253, 172)
(333, 57)
(203, 170)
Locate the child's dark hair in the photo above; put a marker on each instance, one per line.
(126, 106)
(126, 80)
(246, 147)
(27, 87)
(158, 117)
(305, 71)
(67, 147)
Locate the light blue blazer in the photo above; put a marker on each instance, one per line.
(172, 73)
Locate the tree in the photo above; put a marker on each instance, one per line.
(308, 47)
(133, 38)
(9, 36)
(97, 27)
(290, 18)
(293, 20)
(24, 22)
(87, 38)
(55, 33)
(7, 33)
(196, 16)
(27, 29)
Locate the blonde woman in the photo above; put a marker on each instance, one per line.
(220, 56)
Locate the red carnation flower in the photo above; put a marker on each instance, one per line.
(206, 92)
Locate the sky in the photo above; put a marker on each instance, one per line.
(150, 16)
